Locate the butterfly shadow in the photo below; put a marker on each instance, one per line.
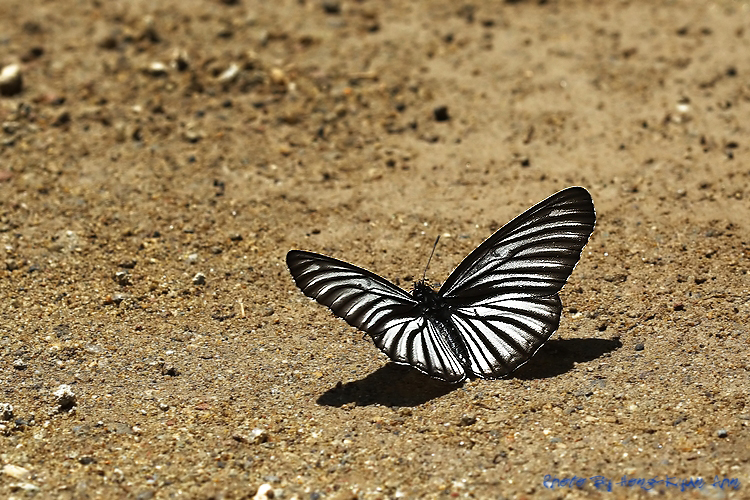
(390, 385)
(398, 385)
(559, 356)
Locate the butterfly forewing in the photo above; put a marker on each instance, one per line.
(365, 300)
(531, 256)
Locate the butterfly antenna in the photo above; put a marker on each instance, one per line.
(424, 275)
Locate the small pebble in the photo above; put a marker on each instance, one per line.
(116, 299)
(226, 31)
(6, 412)
(94, 349)
(639, 346)
(121, 428)
(199, 279)
(467, 420)
(149, 30)
(170, 370)
(156, 69)
(722, 433)
(31, 488)
(16, 472)
(331, 6)
(278, 76)
(65, 399)
(258, 436)
(180, 60)
(11, 81)
(109, 40)
(192, 136)
(441, 113)
(20, 364)
(137, 134)
(265, 492)
(230, 74)
(123, 278)
(62, 119)
(11, 127)
(127, 263)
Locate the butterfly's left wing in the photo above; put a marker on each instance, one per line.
(503, 296)
(391, 316)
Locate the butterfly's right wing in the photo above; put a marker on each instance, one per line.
(503, 297)
(374, 305)
(531, 256)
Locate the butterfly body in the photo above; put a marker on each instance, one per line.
(434, 308)
(495, 310)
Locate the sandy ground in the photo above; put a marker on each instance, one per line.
(155, 140)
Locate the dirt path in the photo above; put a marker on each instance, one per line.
(162, 157)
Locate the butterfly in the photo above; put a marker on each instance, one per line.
(492, 314)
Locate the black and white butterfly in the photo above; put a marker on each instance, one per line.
(495, 310)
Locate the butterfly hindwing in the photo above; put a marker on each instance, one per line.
(502, 334)
(424, 344)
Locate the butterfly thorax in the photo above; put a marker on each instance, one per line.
(430, 300)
